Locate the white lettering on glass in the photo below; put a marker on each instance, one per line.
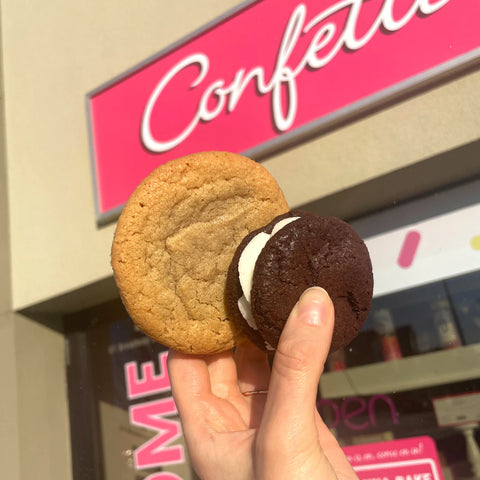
(325, 44)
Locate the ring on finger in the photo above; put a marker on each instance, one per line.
(254, 392)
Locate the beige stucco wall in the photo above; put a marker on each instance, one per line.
(415, 129)
(9, 433)
(34, 423)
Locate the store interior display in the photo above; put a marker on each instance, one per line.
(107, 354)
(417, 347)
(439, 316)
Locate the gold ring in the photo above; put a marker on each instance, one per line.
(254, 392)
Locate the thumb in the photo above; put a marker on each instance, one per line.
(300, 358)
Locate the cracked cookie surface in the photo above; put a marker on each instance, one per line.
(175, 240)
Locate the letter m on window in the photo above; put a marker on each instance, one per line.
(158, 451)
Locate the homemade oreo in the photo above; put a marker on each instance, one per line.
(296, 251)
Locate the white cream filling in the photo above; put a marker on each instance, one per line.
(246, 266)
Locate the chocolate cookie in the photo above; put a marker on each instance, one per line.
(297, 251)
(175, 239)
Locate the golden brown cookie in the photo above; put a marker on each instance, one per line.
(175, 240)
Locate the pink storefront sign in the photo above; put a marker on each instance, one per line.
(407, 459)
(267, 75)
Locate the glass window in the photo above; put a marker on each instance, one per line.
(413, 372)
(124, 425)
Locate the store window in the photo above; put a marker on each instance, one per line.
(414, 370)
(124, 425)
(412, 375)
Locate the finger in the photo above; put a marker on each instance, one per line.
(253, 369)
(300, 358)
(223, 374)
(253, 378)
(333, 451)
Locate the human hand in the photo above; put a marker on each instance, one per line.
(274, 436)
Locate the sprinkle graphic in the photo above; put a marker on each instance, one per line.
(475, 242)
(409, 249)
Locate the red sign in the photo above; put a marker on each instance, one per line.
(407, 459)
(268, 74)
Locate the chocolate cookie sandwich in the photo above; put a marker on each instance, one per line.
(275, 264)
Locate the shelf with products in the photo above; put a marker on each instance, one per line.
(429, 369)
(424, 336)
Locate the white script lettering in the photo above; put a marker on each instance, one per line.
(325, 44)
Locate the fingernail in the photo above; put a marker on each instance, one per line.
(311, 307)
